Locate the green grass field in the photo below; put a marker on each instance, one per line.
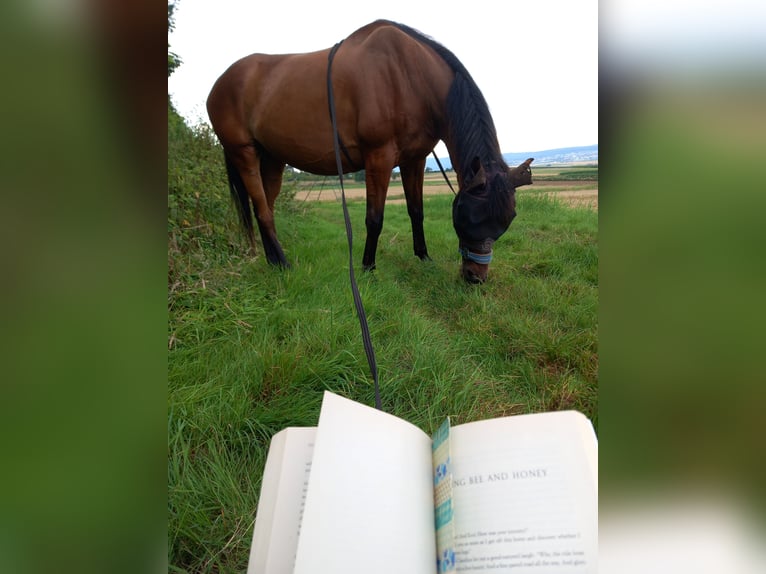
(252, 348)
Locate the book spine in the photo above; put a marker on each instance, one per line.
(443, 515)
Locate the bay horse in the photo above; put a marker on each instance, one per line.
(397, 93)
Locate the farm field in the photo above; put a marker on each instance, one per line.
(575, 185)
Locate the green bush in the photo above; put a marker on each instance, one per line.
(202, 221)
(199, 211)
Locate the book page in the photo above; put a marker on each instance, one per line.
(282, 500)
(525, 494)
(369, 506)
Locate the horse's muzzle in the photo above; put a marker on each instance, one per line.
(474, 273)
(475, 263)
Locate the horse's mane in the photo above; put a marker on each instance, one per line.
(471, 126)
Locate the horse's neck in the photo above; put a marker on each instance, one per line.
(454, 160)
(491, 167)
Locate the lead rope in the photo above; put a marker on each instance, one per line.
(369, 351)
(443, 172)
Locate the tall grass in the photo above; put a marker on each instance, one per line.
(252, 348)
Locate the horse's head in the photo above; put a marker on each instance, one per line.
(482, 211)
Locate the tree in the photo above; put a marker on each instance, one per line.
(174, 60)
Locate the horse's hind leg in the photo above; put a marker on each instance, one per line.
(272, 172)
(412, 181)
(250, 164)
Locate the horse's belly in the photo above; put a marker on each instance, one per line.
(317, 163)
(307, 149)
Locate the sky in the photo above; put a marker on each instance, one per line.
(662, 35)
(535, 62)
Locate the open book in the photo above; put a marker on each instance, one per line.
(368, 492)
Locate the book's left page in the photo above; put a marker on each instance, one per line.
(369, 506)
(281, 502)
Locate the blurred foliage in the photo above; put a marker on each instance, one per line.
(83, 252)
(681, 283)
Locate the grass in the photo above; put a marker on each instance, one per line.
(252, 348)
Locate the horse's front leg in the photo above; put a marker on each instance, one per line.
(412, 181)
(378, 166)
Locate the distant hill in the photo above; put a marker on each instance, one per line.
(544, 157)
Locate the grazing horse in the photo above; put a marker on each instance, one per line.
(397, 93)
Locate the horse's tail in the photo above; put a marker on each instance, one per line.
(241, 199)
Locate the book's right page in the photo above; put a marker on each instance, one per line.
(525, 494)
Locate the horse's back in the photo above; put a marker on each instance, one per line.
(396, 86)
(262, 87)
(388, 87)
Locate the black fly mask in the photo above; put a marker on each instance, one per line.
(482, 211)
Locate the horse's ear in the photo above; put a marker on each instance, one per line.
(479, 177)
(514, 171)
